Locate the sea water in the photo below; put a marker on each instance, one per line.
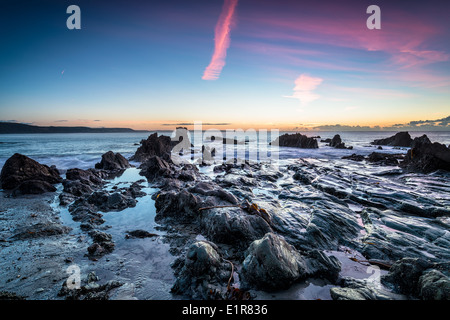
(83, 150)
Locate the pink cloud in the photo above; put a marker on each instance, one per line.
(221, 41)
(304, 87)
(405, 41)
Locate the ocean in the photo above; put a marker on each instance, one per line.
(83, 150)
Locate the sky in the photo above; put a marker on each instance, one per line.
(285, 64)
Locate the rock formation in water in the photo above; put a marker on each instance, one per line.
(296, 140)
(425, 156)
(400, 139)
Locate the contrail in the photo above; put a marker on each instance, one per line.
(221, 41)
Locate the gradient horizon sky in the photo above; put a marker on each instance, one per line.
(284, 64)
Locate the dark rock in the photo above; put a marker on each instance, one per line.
(211, 189)
(34, 187)
(337, 143)
(154, 146)
(102, 245)
(233, 226)
(354, 157)
(296, 140)
(156, 167)
(89, 177)
(434, 285)
(77, 188)
(5, 295)
(426, 157)
(356, 289)
(19, 169)
(40, 230)
(400, 139)
(140, 234)
(385, 159)
(204, 273)
(271, 264)
(327, 140)
(89, 289)
(405, 274)
(103, 201)
(113, 161)
(180, 205)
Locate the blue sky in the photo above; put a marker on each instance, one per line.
(286, 64)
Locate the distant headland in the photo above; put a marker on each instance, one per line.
(15, 128)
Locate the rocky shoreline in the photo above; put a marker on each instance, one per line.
(235, 230)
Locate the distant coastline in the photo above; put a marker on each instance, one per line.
(18, 128)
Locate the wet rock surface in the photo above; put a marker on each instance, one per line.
(113, 161)
(27, 176)
(270, 227)
(203, 274)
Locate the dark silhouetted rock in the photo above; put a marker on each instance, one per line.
(354, 157)
(19, 169)
(401, 139)
(113, 161)
(296, 140)
(337, 143)
(140, 234)
(154, 146)
(426, 157)
(34, 187)
(385, 159)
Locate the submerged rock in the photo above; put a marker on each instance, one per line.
(20, 169)
(296, 140)
(113, 161)
(400, 139)
(425, 156)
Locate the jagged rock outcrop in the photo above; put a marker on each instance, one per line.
(425, 156)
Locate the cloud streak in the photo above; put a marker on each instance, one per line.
(221, 41)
